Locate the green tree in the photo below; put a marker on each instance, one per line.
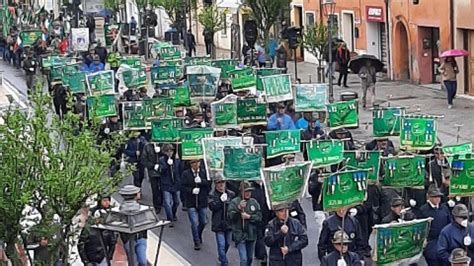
(212, 20)
(315, 41)
(171, 7)
(113, 5)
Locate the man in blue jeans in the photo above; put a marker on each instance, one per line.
(244, 214)
(170, 182)
(196, 188)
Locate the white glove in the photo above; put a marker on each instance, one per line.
(197, 180)
(412, 203)
(123, 165)
(353, 212)
(341, 262)
(170, 161)
(451, 203)
(467, 241)
(107, 130)
(224, 197)
(157, 166)
(203, 124)
(458, 198)
(157, 149)
(196, 191)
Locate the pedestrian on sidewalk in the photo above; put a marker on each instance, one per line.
(282, 57)
(196, 188)
(219, 201)
(191, 41)
(343, 57)
(261, 56)
(171, 169)
(449, 69)
(29, 66)
(368, 77)
(272, 49)
(208, 41)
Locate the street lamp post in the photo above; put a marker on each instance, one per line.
(329, 8)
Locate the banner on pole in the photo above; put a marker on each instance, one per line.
(263, 72)
(277, 88)
(75, 81)
(56, 74)
(418, 133)
(243, 79)
(285, 183)
(203, 81)
(132, 77)
(166, 129)
(54, 60)
(224, 112)
(242, 163)
(404, 171)
(399, 242)
(30, 37)
(101, 82)
(282, 142)
(191, 142)
(345, 189)
(226, 66)
(325, 152)
(251, 112)
(166, 75)
(197, 61)
(169, 52)
(311, 97)
(102, 106)
(462, 180)
(386, 121)
(133, 118)
(180, 96)
(343, 114)
(369, 160)
(80, 39)
(131, 61)
(157, 107)
(460, 150)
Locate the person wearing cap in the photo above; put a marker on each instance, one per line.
(96, 65)
(458, 234)
(133, 150)
(170, 181)
(244, 214)
(441, 217)
(395, 214)
(219, 201)
(345, 135)
(150, 159)
(459, 257)
(382, 144)
(286, 237)
(351, 226)
(341, 242)
(280, 120)
(196, 188)
(313, 131)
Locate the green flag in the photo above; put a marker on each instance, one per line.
(243, 79)
(365, 160)
(386, 121)
(286, 183)
(197, 61)
(180, 96)
(342, 114)
(242, 163)
(191, 142)
(282, 142)
(263, 72)
(166, 129)
(102, 106)
(157, 107)
(251, 112)
(398, 242)
(226, 66)
(166, 75)
(325, 152)
(458, 149)
(131, 61)
(404, 171)
(344, 189)
(133, 118)
(56, 74)
(203, 81)
(76, 82)
(68, 71)
(224, 112)
(311, 97)
(30, 37)
(418, 133)
(277, 88)
(169, 53)
(101, 82)
(133, 77)
(462, 181)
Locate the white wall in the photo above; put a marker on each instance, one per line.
(163, 23)
(373, 39)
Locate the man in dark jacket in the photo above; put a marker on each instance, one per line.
(101, 51)
(458, 234)
(315, 185)
(286, 237)
(150, 160)
(341, 242)
(441, 217)
(439, 169)
(170, 181)
(133, 150)
(282, 57)
(191, 42)
(196, 188)
(313, 131)
(219, 205)
(29, 66)
(259, 195)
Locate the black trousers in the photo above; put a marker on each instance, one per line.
(138, 175)
(156, 193)
(260, 248)
(208, 48)
(343, 76)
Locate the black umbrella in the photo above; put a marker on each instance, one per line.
(359, 61)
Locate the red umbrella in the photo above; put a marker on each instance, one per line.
(454, 53)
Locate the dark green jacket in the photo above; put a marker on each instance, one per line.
(244, 230)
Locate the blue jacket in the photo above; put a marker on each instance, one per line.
(134, 144)
(170, 183)
(302, 123)
(287, 122)
(96, 67)
(441, 218)
(451, 237)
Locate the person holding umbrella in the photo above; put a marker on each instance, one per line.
(449, 69)
(366, 66)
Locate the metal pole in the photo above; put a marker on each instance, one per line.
(331, 85)
(159, 244)
(147, 31)
(131, 252)
(296, 65)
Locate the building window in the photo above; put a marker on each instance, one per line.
(309, 19)
(224, 31)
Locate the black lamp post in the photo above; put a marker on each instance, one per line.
(329, 7)
(132, 218)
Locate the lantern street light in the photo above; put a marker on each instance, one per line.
(329, 7)
(132, 218)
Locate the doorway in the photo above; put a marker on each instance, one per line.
(402, 58)
(298, 22)
(348, 30)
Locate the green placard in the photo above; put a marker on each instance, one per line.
(396, 242)
(311, 97)
(134, 77)
(191, 142)
(76, 82)
(462, 181)
(342, 114)
(277, 88)
(133, 116)
(197, 61)
(226, 66)
(365, 160)
(166, 129)
(56, 74)
(174, 62)
(131, 61)
(169, 53)
(243, 79)
(101, 82)
(68, 71)
(180, 96)
(404, 171)
(214, 151)
(282, 142)
(157, 107)
(345, 189)
(418, 133)
(29, 38)
(263, 72)
(102, 106)
(286, 183)
(459, 149)
(242, 163)
(166, 75)
(325, 152)
(386, 121)
(225, 115)
(203, 85)
(251, 112)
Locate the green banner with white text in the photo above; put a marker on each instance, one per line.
(418, 133)
(133, 118)
(404, 171)
(365, 160)
(102, 106)
(462, 180)
(166, 129)
(311, 97)
(191, 142)
(386, 121)
(242, 163)
(277, 88)
(243, 79)
(282, 142)
(342, 114)
(325, 152)
(251, 112)
(345, 189)
(101, 82)
(263, 72)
